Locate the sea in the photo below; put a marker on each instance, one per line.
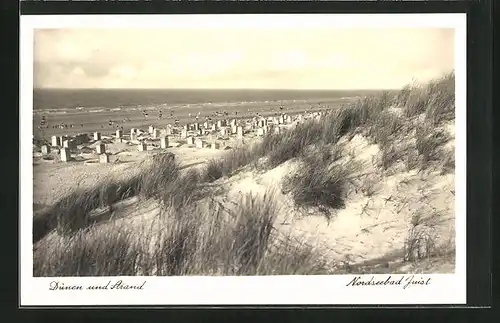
(67, 111)
(65, 100)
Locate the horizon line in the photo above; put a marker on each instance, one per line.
(218, 89)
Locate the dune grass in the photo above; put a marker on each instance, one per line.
(183, 190)
(290, 144)
(435, 100)
(320, 183)
(390, 154)
(197, 239)
(428, 143)
(385, 127)
(93, 251)
(71, 213)
(420, 241)
(447, 162)
(230, 162)
(214, 169)
(162, 171)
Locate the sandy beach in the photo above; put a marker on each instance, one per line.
(134, 118)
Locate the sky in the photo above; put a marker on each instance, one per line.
(211, 58)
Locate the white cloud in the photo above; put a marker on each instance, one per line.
(78, 72)
(246, 58)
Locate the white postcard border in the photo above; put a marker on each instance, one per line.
(443, 289)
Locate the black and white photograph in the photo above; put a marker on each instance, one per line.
(243, 151)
